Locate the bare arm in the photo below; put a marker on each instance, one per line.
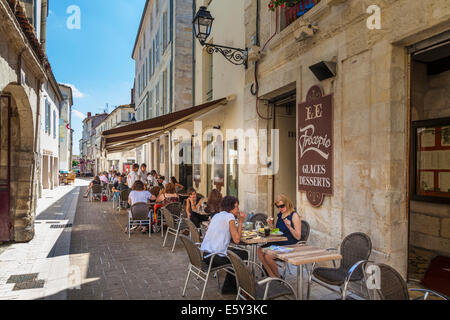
(188, 205)
(236, 232)
(296, 227)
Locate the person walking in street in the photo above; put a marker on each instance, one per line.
(221, 231)
(290, 223)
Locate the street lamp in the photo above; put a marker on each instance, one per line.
(202, 29)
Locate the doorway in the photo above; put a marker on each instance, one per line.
(5, 167)
(429, 187)
(285, 121)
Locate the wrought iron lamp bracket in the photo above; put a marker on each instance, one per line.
(236, 56)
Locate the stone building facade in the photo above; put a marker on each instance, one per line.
(371, 113)
(65, 131)
(23, 70)
(163, 62)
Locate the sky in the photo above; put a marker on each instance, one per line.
(92, 54)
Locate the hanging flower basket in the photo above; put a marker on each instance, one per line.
(273, 4)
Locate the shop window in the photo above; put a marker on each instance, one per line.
(232, 168)
(431, 160)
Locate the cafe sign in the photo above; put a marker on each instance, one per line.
(315, 146)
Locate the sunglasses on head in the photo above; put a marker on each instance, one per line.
(281, 206)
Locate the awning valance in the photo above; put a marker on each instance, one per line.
(136, 134)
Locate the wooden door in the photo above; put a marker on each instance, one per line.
(5, 157)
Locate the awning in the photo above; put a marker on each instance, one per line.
(136, 134)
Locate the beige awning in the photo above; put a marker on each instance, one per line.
(134, 135)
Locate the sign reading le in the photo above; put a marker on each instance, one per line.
(315, 146)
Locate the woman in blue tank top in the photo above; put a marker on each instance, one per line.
(290, 224)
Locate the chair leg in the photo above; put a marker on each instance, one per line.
(149, 228)
(175, 240)
(162, 225)
(204, 286)
(238, 293)
(186, 282)
(167, 233)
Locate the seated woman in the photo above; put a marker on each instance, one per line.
(95, 181)
(221, 231)
(178, 186)
(139, 195)
(193, 204)
(213, 204)
(289, 222)
(168, 195)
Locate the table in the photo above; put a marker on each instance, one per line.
(253, 242)
(303, 254)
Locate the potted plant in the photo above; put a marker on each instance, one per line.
(273, 4)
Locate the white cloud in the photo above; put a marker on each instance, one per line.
(75, 92)
(79, 114)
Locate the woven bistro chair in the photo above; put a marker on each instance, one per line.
(193, 231)
(391, 285)
(123, 198)
(259, 217)
(175, 208)
(198, 267)
(110, 193)
(355, 250)
(96, 191)
(139, 214)
(266, 289)
(173, 227)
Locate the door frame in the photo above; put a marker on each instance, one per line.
(7, 187)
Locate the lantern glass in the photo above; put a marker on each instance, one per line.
(202, 24)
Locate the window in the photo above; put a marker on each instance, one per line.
(157, 49)
(161, 95)
(207, 76)
(431, 160)
(46, 116)
(157, 99)
(150, 105)
(290, 14)
(54, 124)
(164, 31)
(164, 97)
(232, 168)
(161, 154)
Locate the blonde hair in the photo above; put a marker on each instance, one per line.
(289, 206)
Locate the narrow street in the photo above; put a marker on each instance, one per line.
(94, 260)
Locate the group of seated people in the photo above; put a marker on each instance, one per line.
(222, 213)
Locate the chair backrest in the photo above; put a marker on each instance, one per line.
(355, 247)
(139, 211)
(96, 188)
(259, 217)
(174, 208)
(168, 217)
(124, 194)
(305, 231)
(244, 277)
(195, 235)
(194, 253)
(391, 284)
(110, 186)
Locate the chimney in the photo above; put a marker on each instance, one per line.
(89, 114)
(132, 96)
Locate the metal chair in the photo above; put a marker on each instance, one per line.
(259, 217)
(123, 198)
(266, 289)
(355, 250)
(173, 227)
(175, 208)
(139, 213)
(198, 267)
(96, 191)
(110, 193)
(389, 284)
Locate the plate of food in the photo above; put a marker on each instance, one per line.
(276, 232)
(249, 233)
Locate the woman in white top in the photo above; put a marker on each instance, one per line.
(221, 230)
(139, 195)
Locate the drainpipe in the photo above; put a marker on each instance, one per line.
(44, 15)
(194, 7)
(36, 155)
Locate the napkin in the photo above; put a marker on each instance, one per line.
(280, 249)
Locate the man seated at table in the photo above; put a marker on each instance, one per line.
(221, 231)
(289, 222)
(119, 186)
